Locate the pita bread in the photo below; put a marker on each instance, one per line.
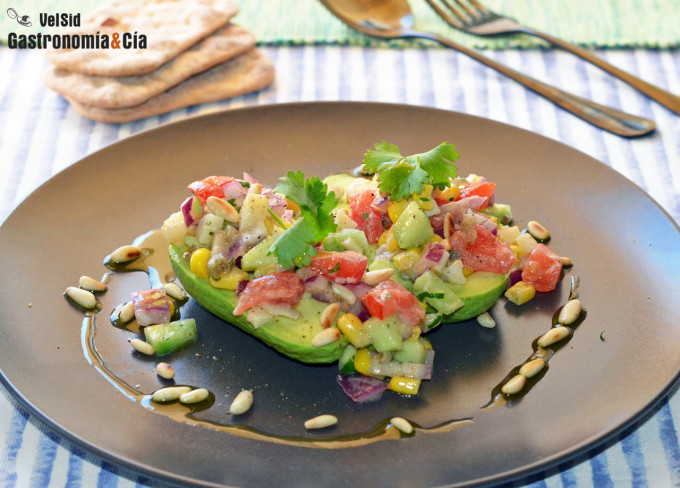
(247, 73)
(128, 91)
(170, 26)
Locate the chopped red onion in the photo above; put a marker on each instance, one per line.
(320, 288)
(250, 179)
(277, 203)
(362, 389)
(151, 307)
(381, 203)
(515, 276)
(235, 191)
(240, 287)
(189, 215)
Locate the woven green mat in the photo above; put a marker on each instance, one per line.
(597, 23)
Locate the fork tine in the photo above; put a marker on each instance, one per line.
(458, 22)
(473, 15)
(480, 7)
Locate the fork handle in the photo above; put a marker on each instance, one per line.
(606, 118)
(665, 98)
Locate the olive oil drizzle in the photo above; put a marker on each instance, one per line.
(156, 264)
(498, 398)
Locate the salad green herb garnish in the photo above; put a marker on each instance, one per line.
(296, 245)
(400, 177)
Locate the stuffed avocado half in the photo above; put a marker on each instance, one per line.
(351, 269)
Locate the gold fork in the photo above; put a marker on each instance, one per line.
(474, 18)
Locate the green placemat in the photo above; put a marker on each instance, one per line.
(597, 23)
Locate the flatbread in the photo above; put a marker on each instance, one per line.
(128, 91)
(247, 73)
(170, 26)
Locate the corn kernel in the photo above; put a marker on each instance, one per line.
(362, 361)
(436, 238)
(450, 193)
(467, 271)
(424, 198)
(403, 384)
(407, 259)
(395, 209)
(230, 280)
(383, 237)
(517, 251)
(520, 293)
(199, 262)
(493, 219)
(351, 327)
(392, 244)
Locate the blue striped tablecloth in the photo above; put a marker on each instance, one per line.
(41, 135)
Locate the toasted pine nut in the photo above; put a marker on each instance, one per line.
(329, 314)
(127, 313)
(82, 297)
(449, 225)
(570, 312)
(143, 347)
(321, 422)
(169, 393)
(255, 188)
(164, 370)
(402, 424)
(194, 396)
(566, 262)
(554, 335)
(338, 190)
(174, 291)
(537, 231)
(532, 368)
(374, 277)
(344, 293)
(485, 320)
(325, 337)
(514, 385)
(222, 208)
(125, 253)
(241, 403)
(91, 284)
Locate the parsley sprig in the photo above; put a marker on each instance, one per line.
(297, 244)
(400, 177)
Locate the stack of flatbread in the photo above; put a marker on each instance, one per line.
(194, 55)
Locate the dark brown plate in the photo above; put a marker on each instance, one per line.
(624, 247)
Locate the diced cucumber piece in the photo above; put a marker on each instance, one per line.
(412, 351)
(207, 226)
(167, 338)
(347, 240)
(385, 334)
(346, 361)
(397, 277)
(258, 257)
(433, 286)
(412, 228)
(432, 320)
(501, 211)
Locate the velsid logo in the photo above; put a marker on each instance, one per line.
(98, 40)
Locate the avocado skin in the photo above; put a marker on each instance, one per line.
(290, 337)
(479, 293)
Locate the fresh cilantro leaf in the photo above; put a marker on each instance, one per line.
(335, 268)
(400, 177)
(296, 245)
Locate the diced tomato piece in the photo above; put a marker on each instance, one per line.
(210, 187)
(486, 253)
(368, 219)
(484, 189)
(346, 267)
(542, 268)
(280, 288)
(389, 298)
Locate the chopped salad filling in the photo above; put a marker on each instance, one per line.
(398, 251)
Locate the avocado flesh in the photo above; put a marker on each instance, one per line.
(480, 292)
(290, 337)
